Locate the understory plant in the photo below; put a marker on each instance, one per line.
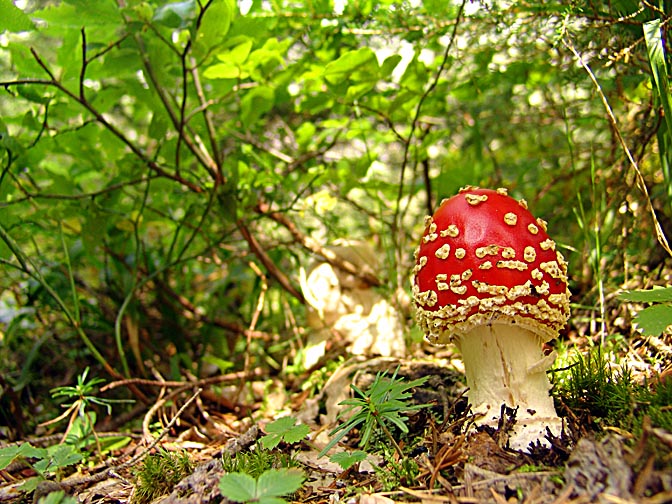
(377, 410)
(264, 474)
(268, 488)
(657, 317)
(159, 473)
(609, 395)
(48, 463)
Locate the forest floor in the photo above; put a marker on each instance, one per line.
(450, 463)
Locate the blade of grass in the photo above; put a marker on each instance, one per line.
(30, 269)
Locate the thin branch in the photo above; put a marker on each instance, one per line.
(660, 234)
(202, 155)
(363, 272)
(116, 132)
(237, 375)
(73, 197)
(398, 213)
(82, 70)
(268, 263)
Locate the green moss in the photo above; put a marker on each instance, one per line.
(159, 473)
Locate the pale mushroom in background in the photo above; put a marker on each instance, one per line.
(489, 279)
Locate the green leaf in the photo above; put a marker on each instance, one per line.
(271, 500)
(655, 295)
(58, 497)
(279, 482)
(654, 319)
(176, 14)
(65, 455)
(656, 50)
(284, 428)
(8, 454)
(238, 487)
(224, 71)
(13, 19)
(255, 104)
(346, 459)
(389, 65)
(361, 60)
(214, 26)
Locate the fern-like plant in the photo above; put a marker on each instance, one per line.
(379, 407)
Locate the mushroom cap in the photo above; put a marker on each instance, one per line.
(485, 259)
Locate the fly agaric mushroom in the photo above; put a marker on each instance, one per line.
(489, 279)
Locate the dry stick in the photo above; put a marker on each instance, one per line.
(169, 384)
(267, 262)
(157, 405)
(111, 471)
(660, 235)
(253, 324)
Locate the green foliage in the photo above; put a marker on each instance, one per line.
(58, 497)
(653, 35)
(594, 387)
(159, 473)
(47, 462)
(256, 461)
(81, 420)
(147, 147)
(377, 409)
(268, 488)
(654, 319)
(347, 459)
(283, 429)
(609, 396)
(397, 473)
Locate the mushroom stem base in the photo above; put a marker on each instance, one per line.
(505, 364)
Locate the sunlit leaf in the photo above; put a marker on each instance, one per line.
(362, 60)
(256, 103)
(654, 320)
(238, 487)
(656, 295)
(656, 50)
(215, 25)
(348, 459)
(12, 18)
(279, 482)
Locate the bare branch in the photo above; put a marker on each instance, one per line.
(366, 274)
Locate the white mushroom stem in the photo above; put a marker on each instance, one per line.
(505, 364)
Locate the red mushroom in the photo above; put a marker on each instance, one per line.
(489, 279)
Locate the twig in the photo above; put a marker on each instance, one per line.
(94, 478)
(182, 384)
(313, 246)
(270, 266)
(660, 234)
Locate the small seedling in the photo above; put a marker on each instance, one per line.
(397, 473)
(256, 461)
(284, 429)
(268, 488)
(379, 407)
(84, 397)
